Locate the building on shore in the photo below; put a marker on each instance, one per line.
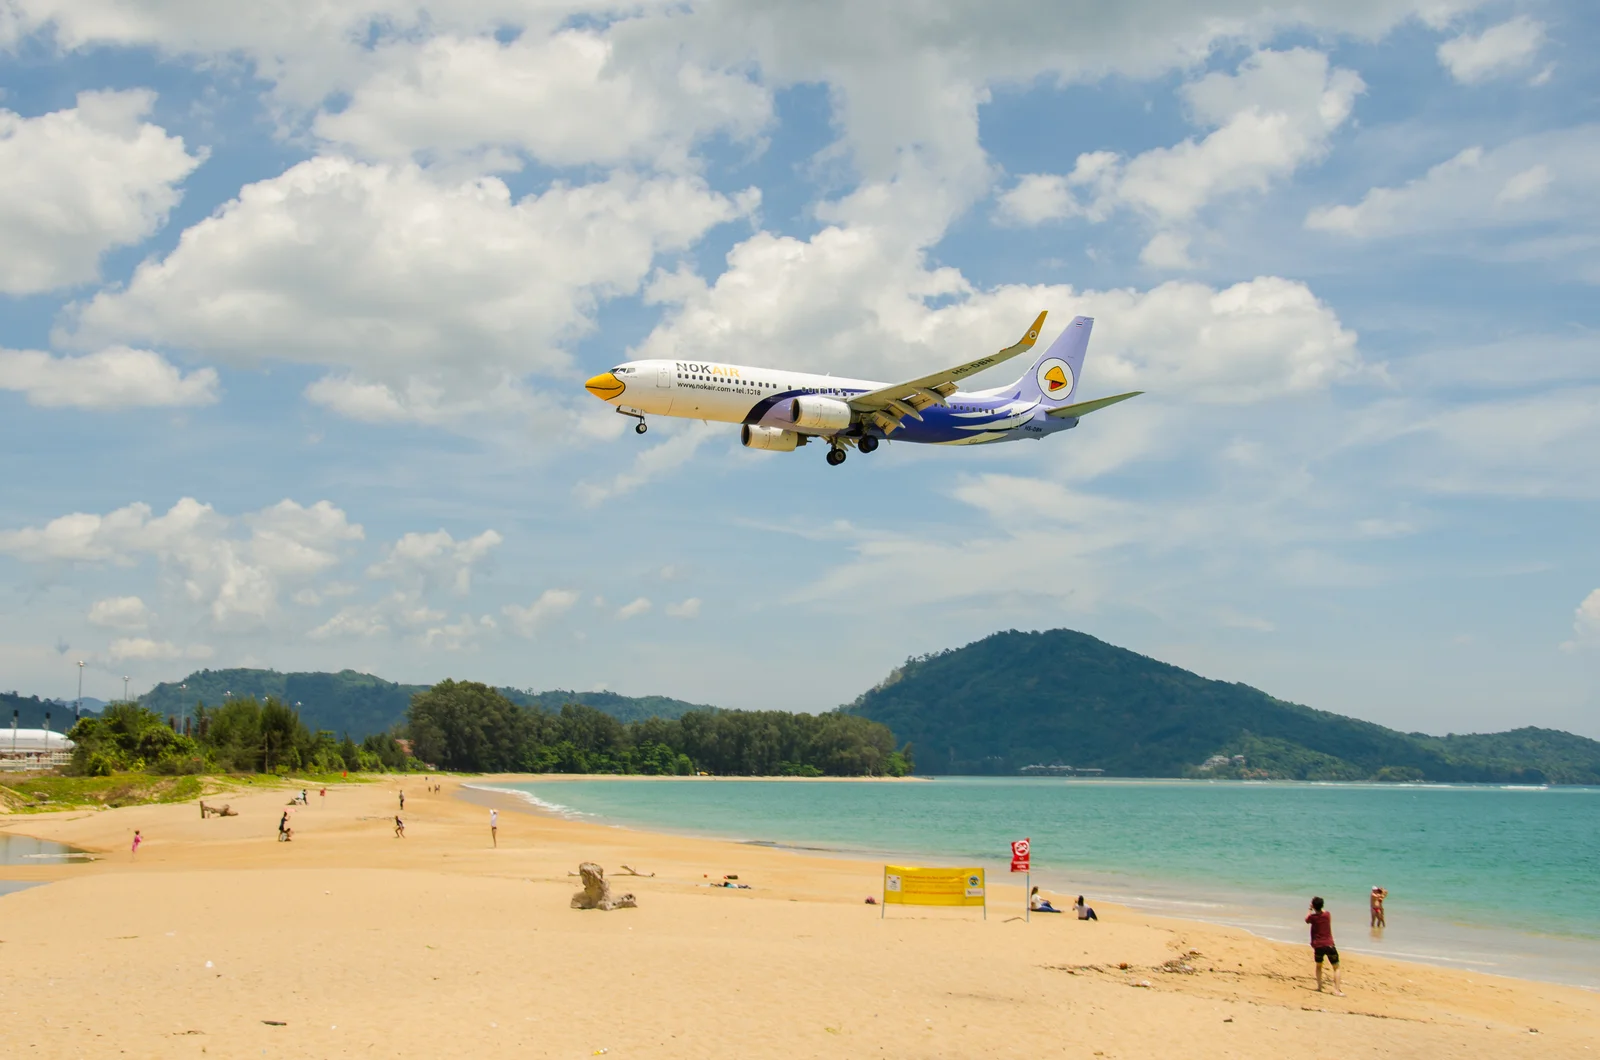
(33, 749)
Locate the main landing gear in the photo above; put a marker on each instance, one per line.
(638, 428)
(867, 444)
(836, 456)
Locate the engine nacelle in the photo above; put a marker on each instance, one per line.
(772, 439)
(820, 414)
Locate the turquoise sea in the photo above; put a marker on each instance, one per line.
(1499, 879)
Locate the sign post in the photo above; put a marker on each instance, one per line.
(1020, 853)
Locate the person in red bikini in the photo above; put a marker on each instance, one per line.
(1322, 943)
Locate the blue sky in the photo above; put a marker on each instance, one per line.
(295, 309)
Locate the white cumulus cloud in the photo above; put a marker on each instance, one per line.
(566, 99)
(1498, 50)
(385, 271)
(689, 608)
(436, 560)
(1586, 623)
(1274, 115)
(143, 649)
(113, 378)
(550, 604)
(75, 183)
(120, 612)
(633, 609)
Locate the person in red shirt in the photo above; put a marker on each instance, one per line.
(1322, 943)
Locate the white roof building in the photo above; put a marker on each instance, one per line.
(33, 741)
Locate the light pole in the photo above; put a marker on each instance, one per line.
(78, 709)
(124, 688)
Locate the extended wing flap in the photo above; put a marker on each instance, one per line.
(933, 389)
(1083, 408)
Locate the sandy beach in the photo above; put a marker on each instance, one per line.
(218, 941)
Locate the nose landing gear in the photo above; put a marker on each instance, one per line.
(638, 428)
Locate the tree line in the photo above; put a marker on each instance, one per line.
(241, 736)
(470, 727)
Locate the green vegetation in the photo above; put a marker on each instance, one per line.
(42, 792)
(364, 705)
(241, 736)
(469, 726)
(1062, 697)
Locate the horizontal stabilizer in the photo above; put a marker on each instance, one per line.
(1083, 408)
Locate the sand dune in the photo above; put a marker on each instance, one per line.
(356, 943)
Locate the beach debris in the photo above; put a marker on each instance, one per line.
(1178, 964)
(275, 1023)
(872, 899)
(596, 893)
(208, 964)
(629, 870)
(225, 810)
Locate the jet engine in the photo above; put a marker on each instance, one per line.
(820, 414)
(772, 439)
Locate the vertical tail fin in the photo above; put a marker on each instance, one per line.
(1054, 377)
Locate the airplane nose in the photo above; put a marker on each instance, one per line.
(604, 386)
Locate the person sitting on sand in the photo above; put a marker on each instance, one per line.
(1322, 943)
(399, 827)
(1083, 910)
(1376, 901)
(1040, 904)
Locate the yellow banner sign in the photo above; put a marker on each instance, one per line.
(904, 885)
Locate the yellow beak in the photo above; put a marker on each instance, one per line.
(604, 386)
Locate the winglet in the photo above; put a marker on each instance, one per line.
(1033, 333)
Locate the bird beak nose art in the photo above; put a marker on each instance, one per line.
(604, 386)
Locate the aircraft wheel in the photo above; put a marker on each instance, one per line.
(836, 457)
(867, 444)
(640, 428)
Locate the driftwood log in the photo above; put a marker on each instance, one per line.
(596, 893)
(225, 810)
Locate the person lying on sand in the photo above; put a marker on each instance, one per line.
(1040, 904)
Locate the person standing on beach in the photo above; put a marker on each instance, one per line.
(494, 827)
(1322, 943)
(1376, 899)
(137, 839)
(402, 802)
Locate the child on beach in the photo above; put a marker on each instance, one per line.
(494, 827)
(1040, 904)
(1322, 943)
(1376, 900)
(399, 827)
(137, 839)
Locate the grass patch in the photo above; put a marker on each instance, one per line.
(42, 792)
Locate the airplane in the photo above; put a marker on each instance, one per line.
(781, 410)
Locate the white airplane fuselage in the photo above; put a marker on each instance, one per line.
(767, 399)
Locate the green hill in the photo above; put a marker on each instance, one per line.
(362, 704)
(1061, 697)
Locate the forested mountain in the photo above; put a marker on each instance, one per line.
(30, 711)
(362, 705)
(1061, 697)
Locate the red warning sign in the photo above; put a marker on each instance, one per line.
(1019, 855)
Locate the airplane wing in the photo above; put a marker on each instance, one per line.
(1083, 408)
(887, 406)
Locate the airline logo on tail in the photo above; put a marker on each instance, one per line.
(1055, 378)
